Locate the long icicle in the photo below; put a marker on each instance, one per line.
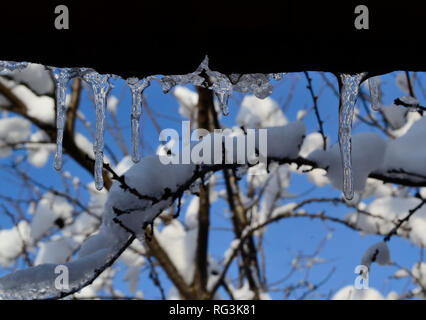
(348, 94)
(374, 93)
(137, 88)
(101, 87)
(61, 76)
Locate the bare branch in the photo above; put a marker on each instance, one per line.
(315, 101)
(405, 219)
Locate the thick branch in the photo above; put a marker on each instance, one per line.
(205, 102)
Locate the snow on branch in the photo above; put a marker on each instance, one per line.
(150, 186)
(140, 195)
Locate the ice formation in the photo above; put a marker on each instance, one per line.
(100, 86)
(221, 84)
(374, 93)
(366, 145)
(61, 76)
(8, 66)
(348, 94)
(136, 87)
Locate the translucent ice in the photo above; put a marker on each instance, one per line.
(136, 87)
(257, 83)
(348, 94)
(101, 86)
(8, 66)
(61, 76)
(374, 93)
(223, 102)
(221, 84)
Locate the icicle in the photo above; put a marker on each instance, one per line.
(101, 87)
(61, 76)
(348, 95)
(221, 85)
(223, 102)
(374, 93)
(168, 82)
(136, 87)
(222, 88)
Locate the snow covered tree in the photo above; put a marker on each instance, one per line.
(210, 230)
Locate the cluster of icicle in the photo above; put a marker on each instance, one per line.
(101, 86)
(222, 85)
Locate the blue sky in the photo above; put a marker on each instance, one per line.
(283, 239)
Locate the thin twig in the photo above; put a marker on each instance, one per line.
(153, 274)
(401, 221)
(315, 100)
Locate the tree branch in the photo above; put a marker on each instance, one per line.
(405, 219)
(205, 102)
(98, 272)
(315, 100)
(251, 229)
(239, 220)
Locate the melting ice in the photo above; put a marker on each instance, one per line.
(348, 95)
(61, 76)
(101, 87)
(222, 85)
(8, 66)
(374, 93)
(136, 87)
